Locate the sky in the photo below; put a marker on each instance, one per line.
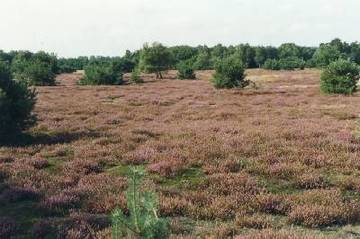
(109, 27)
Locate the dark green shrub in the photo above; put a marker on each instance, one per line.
(135, 77)
(143, 220)
(35, 69)
(326, 54)
(203, 61)
(289, 63)
(340, 77)
(16, 105)
(230, 73)
(155, 59)
(101, 74)
(272, 64)
(292, 63)
(185, 70)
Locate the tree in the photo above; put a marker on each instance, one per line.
(155, 59)
(340, 77)
(203, 60)
(185, 70)
(230, 73)
(135, 77)
(182, 53)
(35, 69)
(289, 50)
(102, 74)
(246, 53)
(143, 220)
(16, 105)
(272, 64)
(326, 54)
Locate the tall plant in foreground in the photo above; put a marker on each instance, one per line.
(230, 73)
(143, 220)
(340, 77)
(16, 105)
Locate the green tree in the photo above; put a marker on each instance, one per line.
(102, 74)
(185, 70)
(340, 77)
(289, 50)
(155, 58)
(16, 105)
(35, 69)
(247, 54)
(135, 77)
(143, 220)
(272, 64)
(230, 73)
(203, 60)
(326, 54)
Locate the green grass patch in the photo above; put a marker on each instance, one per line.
(55, 164)
(117, 170)
(190, 178)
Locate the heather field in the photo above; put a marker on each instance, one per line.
(275, 160)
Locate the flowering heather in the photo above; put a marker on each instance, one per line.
(277, 161)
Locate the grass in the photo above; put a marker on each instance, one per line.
(282, 156)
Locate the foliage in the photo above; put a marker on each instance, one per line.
(35, 69)
(272, 64)
(291, 63)
(135, 77)
(68, 65)
(185, 70)
(155, 59)
(182, 53)
(102, 74)
(326, 54)
(340, 77)
(247, 54)
(203, 61)
(143, 221)
(288, 50)
(16, 104)
(230, 73)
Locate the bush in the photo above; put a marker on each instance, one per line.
(185, 70)
(292, 63)
(203, 61)
(340, 77)
(289, 63)
(101, 74)
(143, 221)
(272, 64)
(135, 77)
(35, 69)
(230, 73)
(16, 104)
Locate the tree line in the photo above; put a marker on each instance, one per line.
(40, 68)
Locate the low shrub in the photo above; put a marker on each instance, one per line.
(230, 73)
(185, 70)
(101, 74)
(16, 105)
(340, 77)
(292, 63)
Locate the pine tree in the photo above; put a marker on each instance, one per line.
(143, 220)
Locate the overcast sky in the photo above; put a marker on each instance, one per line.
(109, 27)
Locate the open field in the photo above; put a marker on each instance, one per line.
(279, 157)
